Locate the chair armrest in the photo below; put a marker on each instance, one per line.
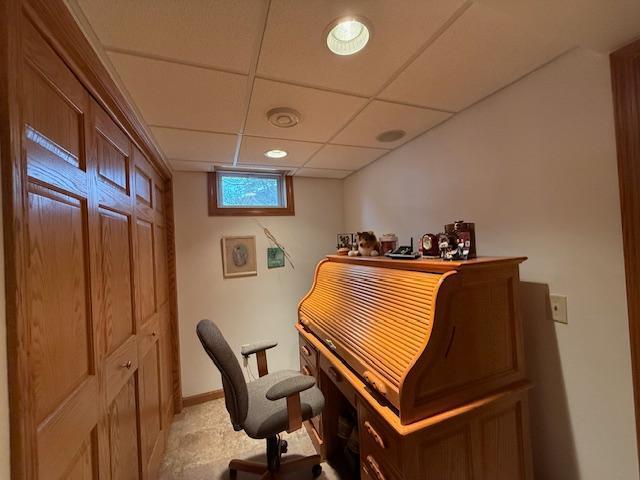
(252, 348)
(290, 386)
(290, 389)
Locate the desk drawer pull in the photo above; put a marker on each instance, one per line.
(375, 435)
(375, 468)
(306, 371)
(127, 365)
(335, 374)
(306, 351)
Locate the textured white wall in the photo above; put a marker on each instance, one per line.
(247, 309)
(535, 167)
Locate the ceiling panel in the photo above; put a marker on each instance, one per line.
(253, 148)
(340, 157)
(322, 113)
(322, 173)
(294, 47)
(597, 24)
(187, 166)
(197, 146)
(196, 31)
(380, 116)
(175, 95)
(481, 52)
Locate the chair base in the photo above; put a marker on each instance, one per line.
(311, 463)
(275, 468)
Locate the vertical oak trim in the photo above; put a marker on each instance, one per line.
(625, 77)
(13, 199)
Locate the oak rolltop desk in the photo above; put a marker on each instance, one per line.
(429, 355)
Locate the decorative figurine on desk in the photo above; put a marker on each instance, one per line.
(344, 243)
(466, 232)
(368, 245)
(449, 246)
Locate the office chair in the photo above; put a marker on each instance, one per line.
(263, 408)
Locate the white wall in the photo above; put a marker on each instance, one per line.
(247, 309)
(535, 167)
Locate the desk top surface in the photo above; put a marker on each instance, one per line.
(427, 264)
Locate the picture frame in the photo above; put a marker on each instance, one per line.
(275, 257)
(239, 256)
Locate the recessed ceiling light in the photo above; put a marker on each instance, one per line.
(347, 36)
(283, 117)
(275, 153)
(391, 135)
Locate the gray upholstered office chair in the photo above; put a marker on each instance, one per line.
(264, 408)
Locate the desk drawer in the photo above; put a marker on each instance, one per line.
(374, 469)
(378, 439)
(338, 380)
(307, 368)
(308, 352)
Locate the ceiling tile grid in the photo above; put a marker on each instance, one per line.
(196, 31)
(175, 95)
(253, 149)
(339, 157)
(204, 73)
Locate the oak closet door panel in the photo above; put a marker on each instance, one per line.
(146, 270)
(123, 433)
(63, 346)
(150, 408)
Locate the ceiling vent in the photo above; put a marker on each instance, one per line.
(283, 117)
(391, 136)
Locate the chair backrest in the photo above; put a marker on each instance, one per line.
(236, 396)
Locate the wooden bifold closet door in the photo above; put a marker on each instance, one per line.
(98, 360)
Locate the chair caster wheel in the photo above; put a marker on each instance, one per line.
(284, 446)
(233, 473)
(316, 471)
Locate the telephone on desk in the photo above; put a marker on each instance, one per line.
(404, 252)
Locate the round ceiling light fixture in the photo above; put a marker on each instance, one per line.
(391, 136)
(275, 153)
(283, 117)
(348, 35)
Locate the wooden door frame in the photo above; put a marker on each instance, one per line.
(60, 30)
(625, 79)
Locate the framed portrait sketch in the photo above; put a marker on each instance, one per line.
(239, 256)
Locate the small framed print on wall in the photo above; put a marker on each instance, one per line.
(239, 256)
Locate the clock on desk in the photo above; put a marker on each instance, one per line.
(429, 245)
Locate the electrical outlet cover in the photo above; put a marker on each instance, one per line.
(559, 308)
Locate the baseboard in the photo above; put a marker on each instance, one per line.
(202, 397)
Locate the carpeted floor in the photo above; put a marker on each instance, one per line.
(202, 441)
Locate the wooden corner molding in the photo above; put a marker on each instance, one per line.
(625, 79)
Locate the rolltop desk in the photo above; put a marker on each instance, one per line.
(429, 355)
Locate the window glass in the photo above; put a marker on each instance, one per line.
(250, 190)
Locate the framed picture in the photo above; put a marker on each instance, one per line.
(239, 256)
(275, 257)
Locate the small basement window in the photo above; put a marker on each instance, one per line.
(250, 193)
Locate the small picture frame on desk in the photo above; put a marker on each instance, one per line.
(239, 256)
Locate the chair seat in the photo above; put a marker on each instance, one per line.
(266, 417)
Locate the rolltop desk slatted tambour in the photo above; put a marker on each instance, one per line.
(430, 356)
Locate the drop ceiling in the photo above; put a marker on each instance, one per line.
(203, 73)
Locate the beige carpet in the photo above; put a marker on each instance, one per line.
(202, 441)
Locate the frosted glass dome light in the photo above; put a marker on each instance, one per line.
(348, 36)
(275, 153)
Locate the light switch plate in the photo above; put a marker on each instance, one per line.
(559, 308)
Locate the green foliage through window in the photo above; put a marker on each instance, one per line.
(250, 190)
